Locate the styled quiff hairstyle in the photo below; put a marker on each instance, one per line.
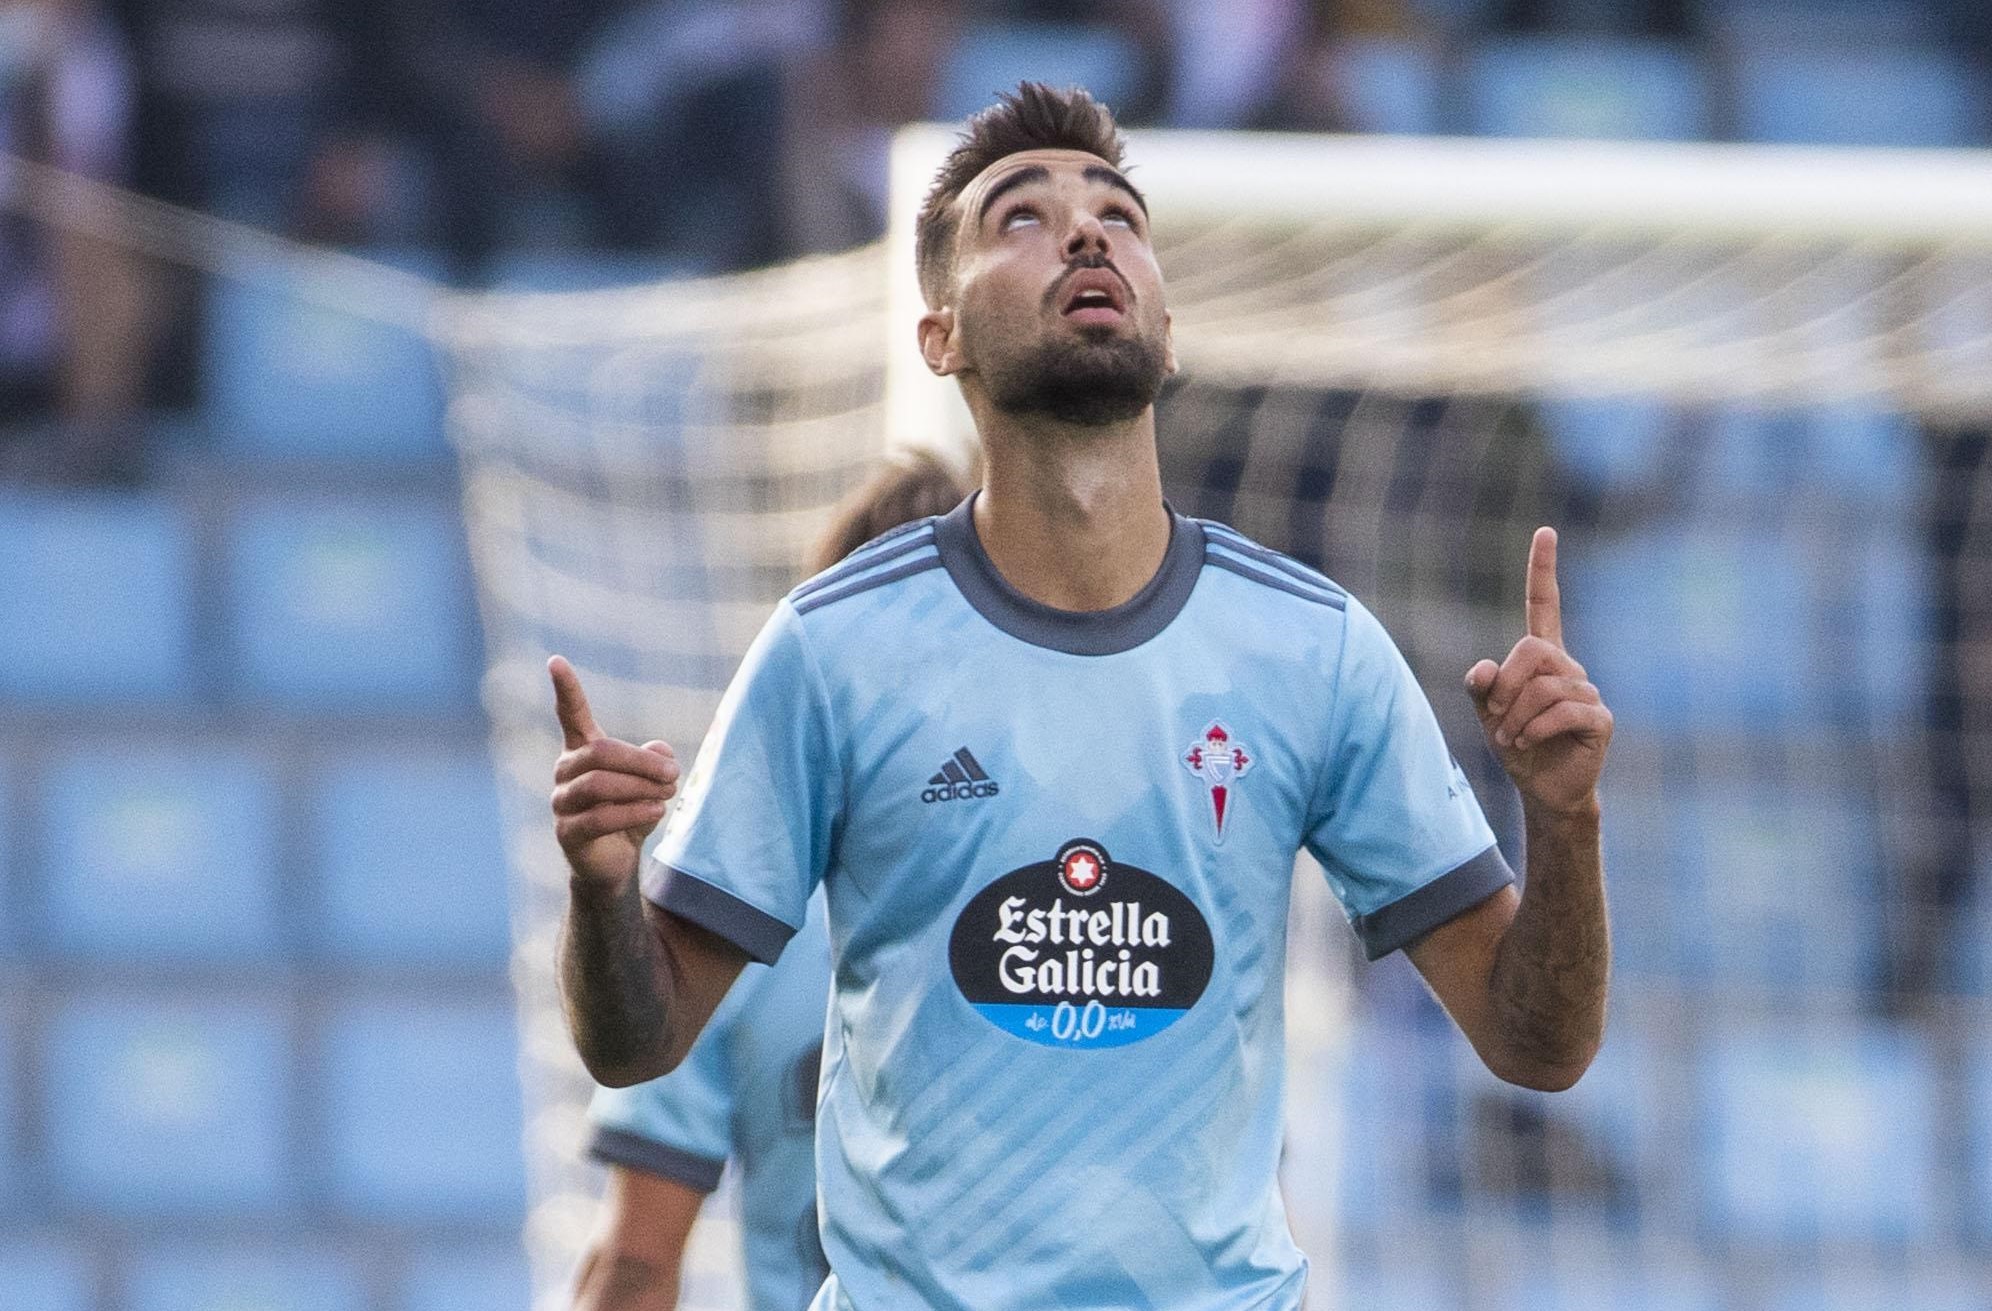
(1033, 117)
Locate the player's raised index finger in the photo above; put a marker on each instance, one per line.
(1545, 605)
(577, 722)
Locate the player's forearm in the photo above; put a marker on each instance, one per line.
(1552, 971)
(615, 1280)
(616, 983)
(635, 1264)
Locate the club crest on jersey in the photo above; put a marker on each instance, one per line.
(1220, 761)
(1081, 951)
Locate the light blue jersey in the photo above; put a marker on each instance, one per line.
(746, 1093)
(1058, 850)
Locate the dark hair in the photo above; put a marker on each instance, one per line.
(1033, 117)
(909, 487)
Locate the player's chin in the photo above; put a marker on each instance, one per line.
(1101, 337)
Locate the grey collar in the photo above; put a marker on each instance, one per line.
(1075, 632)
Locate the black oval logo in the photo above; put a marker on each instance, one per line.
(1079, 951)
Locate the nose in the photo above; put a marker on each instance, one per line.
(1087, 237)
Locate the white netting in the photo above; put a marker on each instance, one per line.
(644, 472)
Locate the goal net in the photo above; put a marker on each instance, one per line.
(1752, 386)
(644, 472)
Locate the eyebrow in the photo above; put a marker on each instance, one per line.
(1039, 173)
(1112, 177)
(1023, 176)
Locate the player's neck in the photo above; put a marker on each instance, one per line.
(1073, 517)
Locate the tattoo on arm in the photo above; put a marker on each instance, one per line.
(616, 984)
(613, 1280)
(1553, 967)
(636, 1285)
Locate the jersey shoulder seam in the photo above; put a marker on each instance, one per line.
(904, 540)
(1230, 550)
(864, 581)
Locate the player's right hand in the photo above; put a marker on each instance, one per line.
(608, 794)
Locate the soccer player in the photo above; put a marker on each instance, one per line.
(1050, 756)
(747, 1090)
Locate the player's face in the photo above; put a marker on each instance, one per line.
(1059, 301)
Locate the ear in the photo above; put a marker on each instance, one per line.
(937, 342)
(1169, 364)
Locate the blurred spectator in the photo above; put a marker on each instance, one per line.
(894, 62)
(72, 306)
(627, 124)
(1655, 18)
(1308, 92)
(479, 90)
(687, 101)
(1950, 842)
(1228, 59)
(1145, 26)
(276, 113)
(254, 108)
(880, 72)
(1969, 24)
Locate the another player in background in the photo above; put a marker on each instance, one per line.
(1051, 757)
(747, 1091)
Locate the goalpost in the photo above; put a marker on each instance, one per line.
(1439, 266)
(1719, 366)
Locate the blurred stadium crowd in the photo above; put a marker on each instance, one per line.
(713, 135)
(250, 857)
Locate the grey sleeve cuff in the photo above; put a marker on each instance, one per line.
(635, 1152)
(716, 910)
(1415, 914)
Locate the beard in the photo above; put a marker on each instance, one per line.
(1101, 379)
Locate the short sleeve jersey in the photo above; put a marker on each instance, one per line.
(745, 1093)
(1058, 850)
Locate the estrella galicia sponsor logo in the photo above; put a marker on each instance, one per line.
(960, 778)
(1081, 951)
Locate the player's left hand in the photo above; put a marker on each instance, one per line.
(1543, 718)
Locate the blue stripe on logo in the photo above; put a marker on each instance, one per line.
(1090, 1024)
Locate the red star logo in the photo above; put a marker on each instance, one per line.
(1082, 871)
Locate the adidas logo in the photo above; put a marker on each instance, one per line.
(960, 779)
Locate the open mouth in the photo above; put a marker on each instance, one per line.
(1094, 296)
